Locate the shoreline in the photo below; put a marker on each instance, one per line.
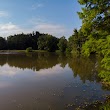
(19, 51)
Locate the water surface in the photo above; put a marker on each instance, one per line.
(45, 81)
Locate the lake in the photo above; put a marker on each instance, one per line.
(47, 81)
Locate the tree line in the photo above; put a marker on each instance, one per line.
(35, 40)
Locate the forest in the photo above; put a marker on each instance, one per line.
(35, 40)
(92, 38)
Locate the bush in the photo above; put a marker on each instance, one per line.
(29, 49)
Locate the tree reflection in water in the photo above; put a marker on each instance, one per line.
(85, 68)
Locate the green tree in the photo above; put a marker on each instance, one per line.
(23, 41)
(29, 49)
(47, 42)
(95, 17)
(75, 41)
(62, 44)
(3, 44)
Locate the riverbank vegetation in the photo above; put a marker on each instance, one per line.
(95, 28)
(94, 35)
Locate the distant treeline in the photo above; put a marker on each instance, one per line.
(35, 40)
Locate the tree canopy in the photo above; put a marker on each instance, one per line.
(47, 42)
(95, 17)
(35, 40)
(62, 44)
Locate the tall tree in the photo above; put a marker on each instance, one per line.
(75, 41)
(62, 44)
(47, 42)
(3, 44)
(95, 17)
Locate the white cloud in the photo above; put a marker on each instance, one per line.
(44, 26)
(36, 6)
(37, 20)
(35, 24)
(7, 29)
(54, 29)
(3, 14)
(8, 26)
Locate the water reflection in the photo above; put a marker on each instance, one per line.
(48, 81)
(83, 67)
(35, 62)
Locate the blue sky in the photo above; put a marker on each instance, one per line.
(56, 17)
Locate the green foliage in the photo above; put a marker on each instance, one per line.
(89, 47)
(68, 50)
(105, 50)
(29, 49)
(95, 17)
(105, 106)
(3, 44)
(47, 42)
(75, 42)
(23, 41)
(101, 46)
(35, 40)
(62, 44)
(105, 75)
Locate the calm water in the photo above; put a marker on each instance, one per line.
(48, 82)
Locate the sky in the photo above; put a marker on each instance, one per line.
(56, 17)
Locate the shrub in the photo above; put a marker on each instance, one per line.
(29, 49)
